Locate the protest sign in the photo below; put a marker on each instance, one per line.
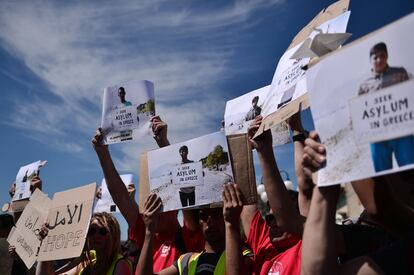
(127, 110)
(288, 89)
(106, 203)
(23, 179)
(210, 151)
(241, 111)
(362, 105)
(68, 217)
(383, 115)
(25, 235)
(188, 174)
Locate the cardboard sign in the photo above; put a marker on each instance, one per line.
(127, 110)
(383, 115)
(210, 150)
(69, 217)
(241, 160)
(189, 174)
(25, 235)
(106, 203)
(288, 89)
(362, 108)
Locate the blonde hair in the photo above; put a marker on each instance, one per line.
(105, 260)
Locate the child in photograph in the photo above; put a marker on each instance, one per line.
(187, 194)
(384, 76)
(254, 111)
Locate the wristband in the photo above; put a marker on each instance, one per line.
(301, 136)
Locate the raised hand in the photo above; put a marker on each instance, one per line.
(150, 213)
(314, 154)
(159, 128)
(97, 142)
(232, 203)
(262, 142)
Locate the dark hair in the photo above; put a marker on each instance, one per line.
(6, 221)
(122, 89)
(255, 99)
(184, 147)
(378, 47)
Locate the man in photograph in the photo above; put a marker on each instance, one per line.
(187, 194)
(254, 111)
(121, 95)
(384, 76)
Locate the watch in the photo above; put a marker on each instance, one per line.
(301, 136)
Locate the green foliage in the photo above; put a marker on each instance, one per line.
(149, 106)
(215, 158)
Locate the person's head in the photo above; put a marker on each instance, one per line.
(279, 238)
(183, 152)
(6, 224)
(121, 94)
(379, 57)
(212, 224)
(104, 235)
(254, 101)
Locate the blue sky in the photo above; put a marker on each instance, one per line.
(56, 57)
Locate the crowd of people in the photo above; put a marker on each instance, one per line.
(298, 235)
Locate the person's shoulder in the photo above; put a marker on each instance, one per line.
(396, 69)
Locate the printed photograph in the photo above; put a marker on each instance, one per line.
(289, 81)
(242, 110)
(365, 116)
(127, 110)
(191, 173)
(104, 201)
(23, 179)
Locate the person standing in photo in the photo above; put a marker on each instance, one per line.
(254, 111)
(382, 77)
(187, 194)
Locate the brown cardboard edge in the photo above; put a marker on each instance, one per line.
(241, 158)
(324, 15)
(300, 103)
(144, 188)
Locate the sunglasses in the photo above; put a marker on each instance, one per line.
(101, 230)
(269, 218)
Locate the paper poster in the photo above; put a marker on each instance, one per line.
(211, 151)
(362, 105)
(188, 174)
(127, 110)
(23, 179)
(289, 79)
(241, 111)
(106, 203)
(25, 235)
(69, 217)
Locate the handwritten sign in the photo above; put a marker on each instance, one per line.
(188, 174)
(69, 218)
(25, 236)
(384, 114)
(125, 118)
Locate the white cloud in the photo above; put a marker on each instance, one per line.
(79, 48)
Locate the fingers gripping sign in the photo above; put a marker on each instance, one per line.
(232, 203)
(264, 141)
(152, 206)
(314, 154)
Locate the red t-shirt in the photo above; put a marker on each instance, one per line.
(165, 251)
(267, 258)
